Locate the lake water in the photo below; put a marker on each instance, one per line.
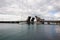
(29, 32)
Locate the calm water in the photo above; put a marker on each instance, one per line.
(29, 32)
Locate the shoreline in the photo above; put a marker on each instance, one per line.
(11, 21)
(58, 22)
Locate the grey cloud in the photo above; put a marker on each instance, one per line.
(23, 7)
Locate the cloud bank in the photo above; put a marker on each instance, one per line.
(20, 9)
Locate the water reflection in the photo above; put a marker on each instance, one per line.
(50, 32)
(29, 32)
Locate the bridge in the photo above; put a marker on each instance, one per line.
(43, 21)
(50, 21)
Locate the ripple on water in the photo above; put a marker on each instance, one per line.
(29, 32)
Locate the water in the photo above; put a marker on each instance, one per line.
(29, 32)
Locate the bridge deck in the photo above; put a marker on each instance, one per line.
(50, 21)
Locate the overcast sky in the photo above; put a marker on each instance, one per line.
(20, 9)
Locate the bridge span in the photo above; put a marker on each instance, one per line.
(50, 21)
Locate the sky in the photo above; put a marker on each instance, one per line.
(13, 10)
